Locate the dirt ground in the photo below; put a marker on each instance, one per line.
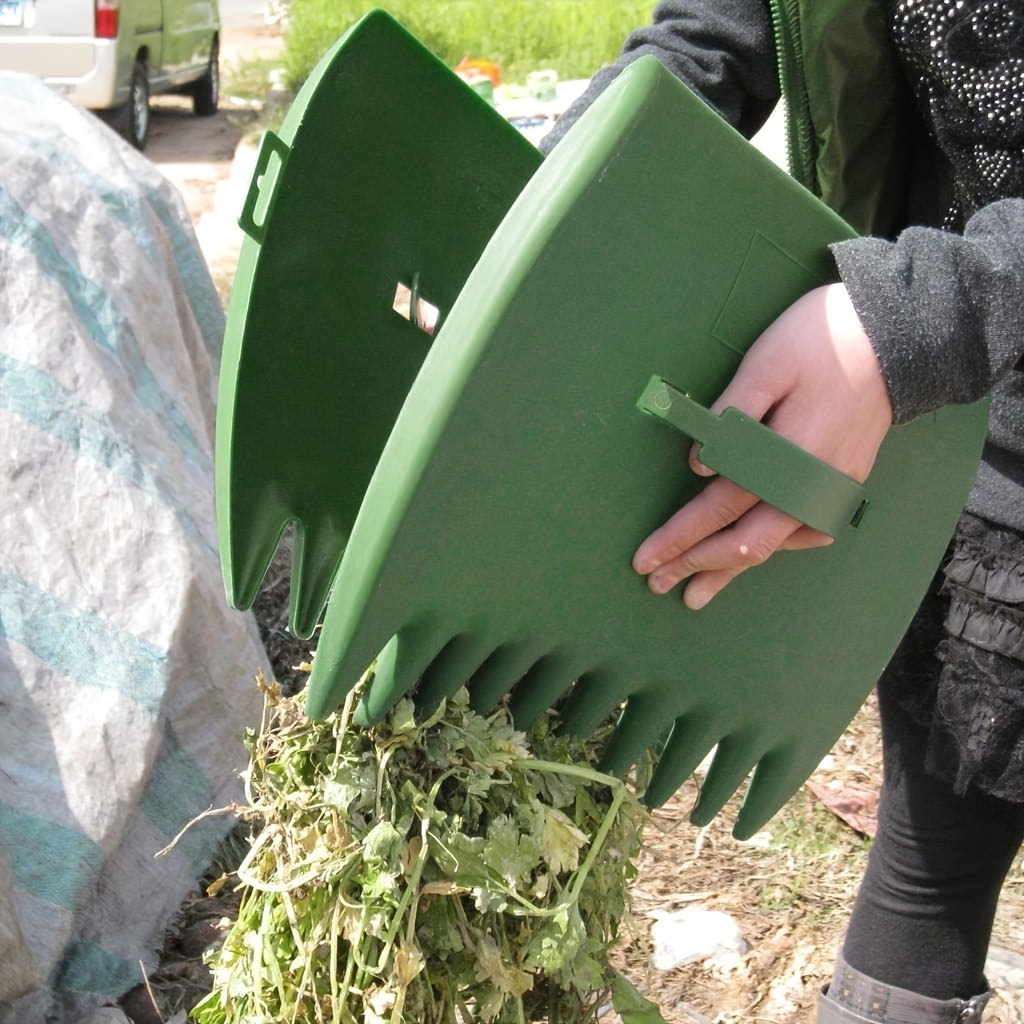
(789, 890)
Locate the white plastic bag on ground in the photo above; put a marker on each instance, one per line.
(125, 681)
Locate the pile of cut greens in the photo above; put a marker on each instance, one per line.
(450, 870)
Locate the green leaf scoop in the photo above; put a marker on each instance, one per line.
(517, 467)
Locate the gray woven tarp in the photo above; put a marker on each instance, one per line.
(125, 681)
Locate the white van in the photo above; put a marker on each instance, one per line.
(110, 55)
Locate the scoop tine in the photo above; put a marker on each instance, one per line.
(692, 737)
(400, 664)
(451, 669)
(499, 673)
(317, 555)
(249, 529)
(594, 697)
(779, 774)
(542, 686)
(733, 762)
(641, 725)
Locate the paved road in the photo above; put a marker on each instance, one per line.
(244, 29)
(240, 14)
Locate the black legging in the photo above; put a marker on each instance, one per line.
(923, 917)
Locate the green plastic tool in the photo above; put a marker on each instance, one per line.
(388, 174)
(533, 451)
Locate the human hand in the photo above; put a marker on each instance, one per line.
(814, 378)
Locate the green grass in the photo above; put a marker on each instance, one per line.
(248, 79)
(574, 37)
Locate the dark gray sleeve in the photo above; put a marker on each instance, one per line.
(944, 312)
(722, 49)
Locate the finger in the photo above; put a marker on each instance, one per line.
(720, 504)
(705, 585)
(804, 539)
(749, 542)
(696, 466)
(754, 387)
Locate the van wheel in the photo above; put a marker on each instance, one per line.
(206, 92)
(131, 119)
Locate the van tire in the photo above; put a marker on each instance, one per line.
(206, 92)
(131, 118)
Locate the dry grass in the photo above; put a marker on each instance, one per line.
(790, 891)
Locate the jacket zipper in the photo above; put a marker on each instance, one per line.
(800, 138)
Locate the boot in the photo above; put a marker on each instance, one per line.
(854, 998)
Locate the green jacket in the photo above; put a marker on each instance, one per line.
(850, 112)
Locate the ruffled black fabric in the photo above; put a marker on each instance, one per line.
(960, 669)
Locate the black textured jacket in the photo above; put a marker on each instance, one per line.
(944, 308)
